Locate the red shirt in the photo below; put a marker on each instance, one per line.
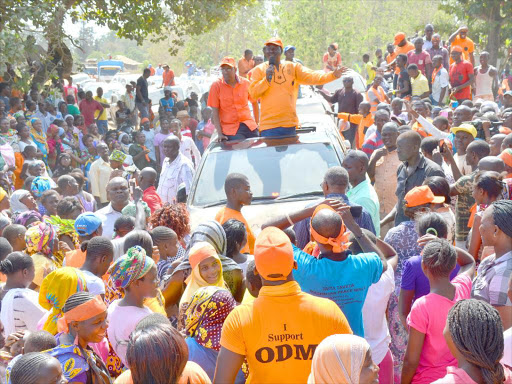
(87, 108)
(233, 105)
(168, 77)
(420, 59)
(152, 199)
(459, 74)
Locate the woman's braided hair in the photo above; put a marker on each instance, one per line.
(440, 257)
(77, 299)
(27, 368)
(502, 216)
(477, 332)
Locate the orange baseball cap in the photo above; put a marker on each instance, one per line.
(275, 41)
(399, 37)
(144, 120)
(456, 48)
(273, 254)
(506, 156)
(422, 195)
(230, 61)
(201, 251)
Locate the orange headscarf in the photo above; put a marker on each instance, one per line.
(340, 243)
(83, 312)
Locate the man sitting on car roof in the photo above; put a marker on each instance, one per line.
(274, 83)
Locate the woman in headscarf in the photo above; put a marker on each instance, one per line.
(83, 322)
(39, 137)
(212, 233)
(206, 271)
(56, 288)
(40, 185)
(343, 359)
(136, 275)
(42, 245)
(204, 318)
(117, 158)
(20, 307)
(22, 201)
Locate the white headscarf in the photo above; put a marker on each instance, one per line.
(16, 205)
(338, 359)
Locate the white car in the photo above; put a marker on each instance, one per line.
(359, 82)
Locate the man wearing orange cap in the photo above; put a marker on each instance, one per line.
(461, 75)
(279, 332)
(229, 100)
(275, 84)
(460, 38)
(403, 46)
(336, 274)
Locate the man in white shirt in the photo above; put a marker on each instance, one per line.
(187, 145)
(159, 71)
(176, 169)
(129, 100)
(99, 175)
(118, 193)
(440, 81)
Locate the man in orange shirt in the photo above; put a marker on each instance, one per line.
(363, 119)
(238, 194)
(229, 98)
(275, 84)
(402, 47)
(278, 332)
(246, 63)
(167, 77)
(460, 39)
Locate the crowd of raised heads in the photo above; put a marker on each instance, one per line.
(400, 273)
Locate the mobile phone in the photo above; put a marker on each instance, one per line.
(356, 210)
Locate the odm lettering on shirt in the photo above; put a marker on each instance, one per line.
(283, 352)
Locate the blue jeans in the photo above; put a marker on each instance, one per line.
(278, 131)
(102, 126)
(243, 133)
(143, 110)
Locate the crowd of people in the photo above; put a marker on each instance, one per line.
(402, 273)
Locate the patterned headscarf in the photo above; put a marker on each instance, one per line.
(130, 267)
(40, 239)
(56, 288)
(339, 359)
(206, 314)
(117, 155)
(39, 185)
(26, 216)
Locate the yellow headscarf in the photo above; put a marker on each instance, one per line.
(2, 193)
(199, 252)
(338, 359)
(56, 288)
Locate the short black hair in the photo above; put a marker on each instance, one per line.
(68, 205)
(428, 144)
(413, 67)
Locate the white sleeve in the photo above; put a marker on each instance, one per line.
(444, 79)
(196, 153)
(431, 128)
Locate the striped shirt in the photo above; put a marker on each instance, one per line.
(373, 143)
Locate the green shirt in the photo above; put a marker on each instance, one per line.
(364, 194)
(73, 110)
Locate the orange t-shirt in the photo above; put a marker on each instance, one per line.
(403, 50)
(245, 66)
(75, 258)
(467, 46)
(362, 121)
(19, 160)
(278, 101)
(279, 332)
(232, 103)
(193, 373)
(225, 214)
(168, 78)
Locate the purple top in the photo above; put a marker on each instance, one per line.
(413, 278)
(157, 141)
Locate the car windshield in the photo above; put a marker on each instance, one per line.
(274, 172)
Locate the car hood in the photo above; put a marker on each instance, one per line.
(256, 214)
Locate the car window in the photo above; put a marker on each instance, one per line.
(273, 172)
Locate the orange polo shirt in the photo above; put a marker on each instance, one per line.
(467, 46)
(168, 78)
(225, 214)
(245, 66)
(233, 104)
(403, 50)
(362, 121)
(278, 97)
(279, 332)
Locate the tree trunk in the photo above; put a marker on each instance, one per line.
(494, 35)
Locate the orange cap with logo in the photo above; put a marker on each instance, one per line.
(456, 48)
(230, 61)
(201, 251)
(275, 41)
(273, 254)
(422, 195)
(399, 38)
